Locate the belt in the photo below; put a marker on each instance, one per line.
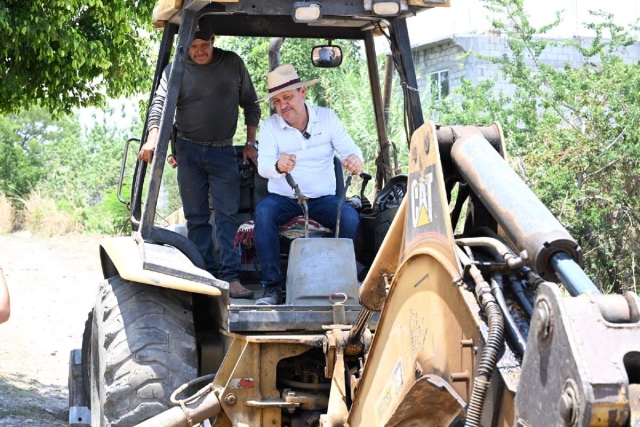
(224, 143)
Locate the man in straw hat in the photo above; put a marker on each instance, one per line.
(300, 140)
(214, 85)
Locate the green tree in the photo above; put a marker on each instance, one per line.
(84, 169)
(62, 54)
(22, 140)
(65, 163)
(573, 132)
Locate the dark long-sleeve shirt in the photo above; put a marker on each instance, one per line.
(209, 98)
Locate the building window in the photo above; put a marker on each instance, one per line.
(439, 84)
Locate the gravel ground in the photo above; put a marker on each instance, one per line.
(52, 285)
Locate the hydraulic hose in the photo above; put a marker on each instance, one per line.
(533, 279)
(518, 290)
(495, 336)
(497, 291)
(513, 261)
(304, 386)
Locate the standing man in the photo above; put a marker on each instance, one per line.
(214, 85)
(302, 140)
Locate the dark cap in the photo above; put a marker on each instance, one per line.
(203, 30)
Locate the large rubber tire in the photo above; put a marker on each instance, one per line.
(143, 347)
(86, 358)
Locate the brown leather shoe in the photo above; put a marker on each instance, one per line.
(236, 290)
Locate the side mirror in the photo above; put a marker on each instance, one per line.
(326, 56)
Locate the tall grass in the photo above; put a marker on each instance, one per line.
(7, 214)
(42, 217)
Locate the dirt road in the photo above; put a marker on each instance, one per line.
(52, 285)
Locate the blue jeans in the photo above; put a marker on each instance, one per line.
(216, 168)
(275, 210)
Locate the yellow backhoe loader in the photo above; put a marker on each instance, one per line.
(496, 325)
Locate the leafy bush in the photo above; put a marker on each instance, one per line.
(107, 217)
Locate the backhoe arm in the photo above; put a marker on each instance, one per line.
(445, 348)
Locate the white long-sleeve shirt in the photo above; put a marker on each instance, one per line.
(314, 171)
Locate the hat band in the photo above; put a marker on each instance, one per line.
(290, 82)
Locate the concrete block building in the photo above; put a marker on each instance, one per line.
(442, 60)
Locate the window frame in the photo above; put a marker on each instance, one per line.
(439, 73)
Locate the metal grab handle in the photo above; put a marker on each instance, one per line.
(122, 167)
(339, 314)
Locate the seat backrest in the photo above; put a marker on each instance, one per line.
(253, 187)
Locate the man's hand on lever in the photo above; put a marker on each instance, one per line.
(353, 164)
(286, 162)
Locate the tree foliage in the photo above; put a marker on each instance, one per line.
(61, 54)
(572, 132)
(253, 50)
(21, 150)
(65, 163)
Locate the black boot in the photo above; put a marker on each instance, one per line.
(272, 296)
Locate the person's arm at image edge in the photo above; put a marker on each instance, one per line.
(5, 305)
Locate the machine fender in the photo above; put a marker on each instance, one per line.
(123, 254)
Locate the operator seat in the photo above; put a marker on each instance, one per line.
(253, 188)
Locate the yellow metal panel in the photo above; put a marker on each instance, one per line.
(428, 3)
(308, 339)
(163, 10)
(427, 315)
(423, 323)
(124, 253)
(209, 1)
(372, 292)
(427, 221)
(177, 217)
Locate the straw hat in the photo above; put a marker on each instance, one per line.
(282, 79)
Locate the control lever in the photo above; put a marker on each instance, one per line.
(302, 200)
(365, 180)
(347, 183)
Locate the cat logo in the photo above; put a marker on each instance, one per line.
(421, 212)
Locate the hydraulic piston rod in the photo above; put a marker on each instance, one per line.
(572, 276)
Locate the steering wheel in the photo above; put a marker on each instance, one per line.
(392, 193)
